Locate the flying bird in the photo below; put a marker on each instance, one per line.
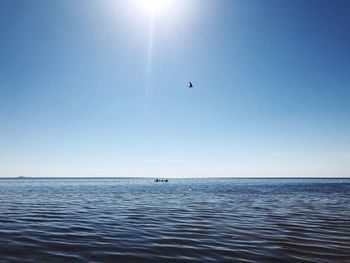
(190, 86)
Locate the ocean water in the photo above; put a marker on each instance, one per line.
(184, 220)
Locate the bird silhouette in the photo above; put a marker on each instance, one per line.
(190, 86)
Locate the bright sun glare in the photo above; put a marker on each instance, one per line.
(155, 6)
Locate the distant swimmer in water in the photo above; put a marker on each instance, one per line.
(190, 86)
(161, 180)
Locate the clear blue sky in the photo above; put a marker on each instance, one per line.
(95, 88)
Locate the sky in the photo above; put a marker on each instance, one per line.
(99, 88)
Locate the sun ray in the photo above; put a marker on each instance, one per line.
(150, 48)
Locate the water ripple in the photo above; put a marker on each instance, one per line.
(223, 220)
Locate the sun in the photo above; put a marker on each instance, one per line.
(155, 6)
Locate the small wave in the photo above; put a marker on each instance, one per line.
(106, 220)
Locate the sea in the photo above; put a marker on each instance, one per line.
(183, 220)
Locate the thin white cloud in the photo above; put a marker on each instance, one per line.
(167, 161)
(278, 154)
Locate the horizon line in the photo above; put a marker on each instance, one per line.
(151, 177)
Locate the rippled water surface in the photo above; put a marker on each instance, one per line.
(184, 220)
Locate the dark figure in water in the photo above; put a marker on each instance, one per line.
(161, 180)
(190, 86)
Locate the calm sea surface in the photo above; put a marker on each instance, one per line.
(184, 220)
